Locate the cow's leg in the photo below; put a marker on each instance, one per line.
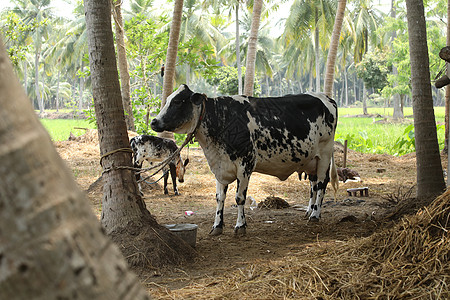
(241, 195)
(323, 177)
(173, 175)
(138, 177)
(221, 194)
(312, 195)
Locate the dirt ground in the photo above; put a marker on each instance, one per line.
(272, 234)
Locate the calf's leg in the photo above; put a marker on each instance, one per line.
(173, 175)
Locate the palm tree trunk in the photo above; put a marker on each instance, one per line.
(54, 248)
(430, 179)
(123, 65)
(124, 215)
(238, 51)
(332, 53)
(57, 92)
(317, 52)
(81, 90)
(171, 57)
(251, 51)
(398, 112)
(36, 81)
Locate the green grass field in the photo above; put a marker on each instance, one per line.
(59, 129)
(363, 134)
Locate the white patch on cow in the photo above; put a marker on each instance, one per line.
(240, 99)
(169, 99)
(252, 125)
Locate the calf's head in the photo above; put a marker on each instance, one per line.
(181, 113)
(181, 169)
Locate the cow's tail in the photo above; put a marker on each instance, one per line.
(334, 176)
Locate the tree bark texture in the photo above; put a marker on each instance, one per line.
(124, 215)
(430, 179)
(51, 244)
(334, 43)
(121, 201)
(123, 65)
(171, 57)
(249, 78)
(238, 51)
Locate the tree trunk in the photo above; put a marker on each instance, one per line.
(332, 53)
(123, 65)
(81, 89)
(249, 79)
(430, 179)
(364, 100)
(238, 51)
(124, 215)
(171, 57)
(57, 92)
(317, 54)
(52, 246)
(398, 112)
(39, 98)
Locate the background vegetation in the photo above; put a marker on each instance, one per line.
(49, 53)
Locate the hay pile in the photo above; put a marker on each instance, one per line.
(408, 261)
(273, 202)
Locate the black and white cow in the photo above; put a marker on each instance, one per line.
(240, 135)
(155, 150)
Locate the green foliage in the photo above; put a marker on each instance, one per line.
(226, 79)
(373, 69)
(360, 142)
(16, 33)
(406, 143)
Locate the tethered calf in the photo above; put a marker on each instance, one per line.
(156, 149)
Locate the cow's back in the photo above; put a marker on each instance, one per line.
(282, 134)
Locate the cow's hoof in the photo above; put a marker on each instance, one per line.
(177, 194)
(307, 214)
(216, 231)
(238, 231)
(314, 219)
(166, 192)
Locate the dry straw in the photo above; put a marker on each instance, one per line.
(408, 261)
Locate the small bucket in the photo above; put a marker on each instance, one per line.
(187, 232)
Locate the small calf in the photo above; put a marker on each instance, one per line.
(156, 149)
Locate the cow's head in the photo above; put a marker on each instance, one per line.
(181, 113)
(181, 169)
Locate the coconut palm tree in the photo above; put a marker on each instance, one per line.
(430, 178)
(63, 225)
(251, 51)
(123, 64)
(171, 57)
(332, 52)
(124, 216)
(311, 19)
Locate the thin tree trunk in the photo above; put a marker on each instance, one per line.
(346, 86)
(398, 112)
(52, 246)
(430, 179)
(317, 52)
(364, 99)
(57, 92)
(81, 90)
(123, 65)
(36, 81)
(251, 49)
(334, 43)
(238, 51)
(124, 215)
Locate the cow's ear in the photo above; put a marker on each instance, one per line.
(197, 98)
